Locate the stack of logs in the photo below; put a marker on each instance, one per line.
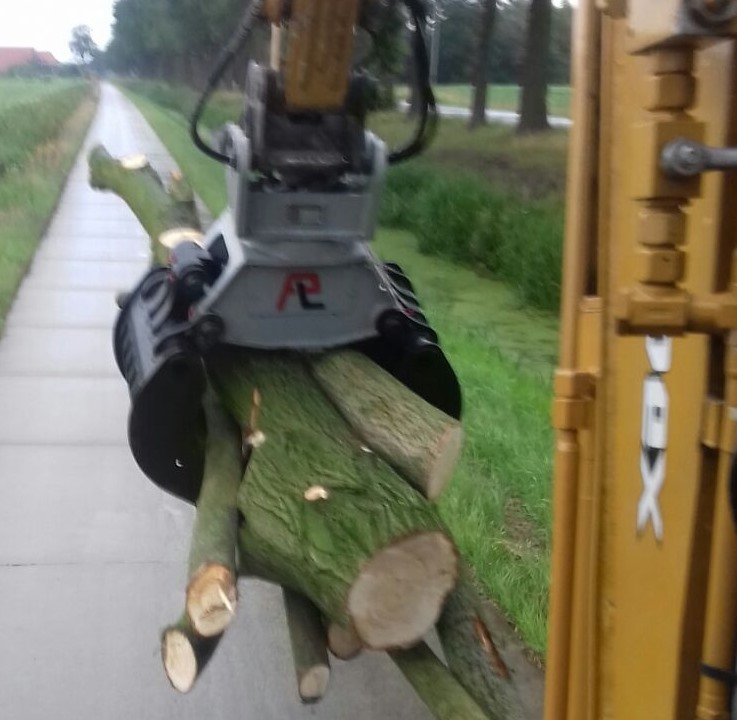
(320, 476)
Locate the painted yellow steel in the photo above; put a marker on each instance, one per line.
(319, 53)
(636, 608)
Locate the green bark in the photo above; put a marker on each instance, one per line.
(419, 441)
(157, 208)
(471, 654)
(314, 547)
(215, 534)
(438, 689)
(309, 650)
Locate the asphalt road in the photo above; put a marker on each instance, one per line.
(92, 555)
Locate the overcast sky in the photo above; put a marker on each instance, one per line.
(47, 24)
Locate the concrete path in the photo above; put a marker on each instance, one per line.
(92, 555)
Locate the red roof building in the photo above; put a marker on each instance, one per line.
(13, 57)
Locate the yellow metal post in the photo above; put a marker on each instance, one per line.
(645, 439)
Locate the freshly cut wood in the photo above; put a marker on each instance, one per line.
(211, 600)
(161, 211)
(309, 650)
(421, 442)
(472, 654)
(367, 549)
(185, 654)
(211, 593)
(344, 642)
(439, 690)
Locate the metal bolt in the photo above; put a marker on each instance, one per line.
(683, 159)
(713, 12)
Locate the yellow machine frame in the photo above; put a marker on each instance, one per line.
(644, 569)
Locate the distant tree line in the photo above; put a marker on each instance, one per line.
(459, 27)
(524, 42)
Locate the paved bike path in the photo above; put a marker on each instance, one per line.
(92, 555)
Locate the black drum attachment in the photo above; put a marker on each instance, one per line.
(159, 353)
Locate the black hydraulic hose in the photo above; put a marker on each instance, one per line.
(427, 124)
(227, 56)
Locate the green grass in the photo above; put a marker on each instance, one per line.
(14, 91)
(28, 196)
(500, 97)
(498, 505)
(27, 123)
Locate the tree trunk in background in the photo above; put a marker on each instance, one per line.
(481, 61)
(534, 102)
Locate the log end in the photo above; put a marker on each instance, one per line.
(212, 597)
(180, 660)
(314, 683)
(446, 459)
(399, 594)
(343, 642)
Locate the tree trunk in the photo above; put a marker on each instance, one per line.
(472, 654)
(334, 522)
(439, 690)
(169, 216)
(481, 62)
(420, 442)
(211, 593)
(534, 101)
(309, 649)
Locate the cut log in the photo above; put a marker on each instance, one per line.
(309, 651)
(438, 689)
(343, 642)
(418, 440)
(211, 593)
(185, 654)
(471, 653)
(319, 514)
(168, 215)
(331, 521)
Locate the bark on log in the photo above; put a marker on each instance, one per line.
(211, 593)
(343, 642)
(331, 521)
(322, 517)
(185, 654)
(438, 689)
(471, 653)
(419, 441)
(309, 650)
(169, 216)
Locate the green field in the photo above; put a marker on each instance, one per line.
(41, 131)
(14, 91)
(498, 505)
(500, 97)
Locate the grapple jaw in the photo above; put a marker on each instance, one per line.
(158, 354)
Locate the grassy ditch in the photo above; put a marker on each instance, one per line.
(52, 130)
(498, 506)
(459, 217)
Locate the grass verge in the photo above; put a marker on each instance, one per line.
(498, 505)
(28, 197)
